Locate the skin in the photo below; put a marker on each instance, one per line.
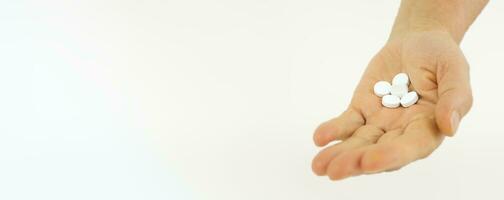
(424, 43)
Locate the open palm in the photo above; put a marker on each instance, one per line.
(375, 138)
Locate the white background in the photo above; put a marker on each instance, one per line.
(124, 99)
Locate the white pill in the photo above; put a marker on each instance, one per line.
(382, 88)
(401, 79)
(399, 90)
(391, 101)
(409, 99)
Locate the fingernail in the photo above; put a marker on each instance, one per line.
(455, 120)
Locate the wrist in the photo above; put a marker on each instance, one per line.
(425, 28)
(399, 32)
(449, 16)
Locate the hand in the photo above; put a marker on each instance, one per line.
(377, 139)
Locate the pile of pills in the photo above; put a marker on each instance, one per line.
(397, 93)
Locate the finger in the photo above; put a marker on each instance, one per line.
(338, 128)
(365, 135)
(347, 164)
(455, 96)
(418, 141)
(389, 136)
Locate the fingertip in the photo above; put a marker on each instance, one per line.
(452, 106)
(323, 158)
(322, 136)
(337, 170)
(345, 166)
(319, 139)
(336, 177)
(318, 167)
(447, 121)
(317, 136)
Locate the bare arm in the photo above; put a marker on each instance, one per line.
(424, 43)
(452, 16)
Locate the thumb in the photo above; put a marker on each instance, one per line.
(454, 92)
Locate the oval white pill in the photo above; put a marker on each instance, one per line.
(390, 101)
(399, 90)
(409, 99)
(382, 88)
(401, 79)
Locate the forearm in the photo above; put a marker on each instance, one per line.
(451, 16)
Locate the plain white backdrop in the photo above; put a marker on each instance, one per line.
(215, 100)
